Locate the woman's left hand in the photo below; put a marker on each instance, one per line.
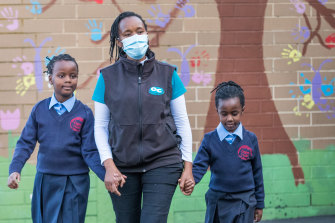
(186, 181)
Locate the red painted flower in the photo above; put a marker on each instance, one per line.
(244, 152)
(76, 124)
(330, 40)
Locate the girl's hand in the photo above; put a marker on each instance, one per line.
(13, 180)
(258, 215)
(113, 177)
(186, 181)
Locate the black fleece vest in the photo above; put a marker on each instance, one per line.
(142, 129)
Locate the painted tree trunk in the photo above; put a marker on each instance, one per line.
(240, 58)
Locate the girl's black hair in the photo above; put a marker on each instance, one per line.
(59, 57)
(227, 90)
(114, 34)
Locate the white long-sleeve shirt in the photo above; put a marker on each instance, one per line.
(179, 114)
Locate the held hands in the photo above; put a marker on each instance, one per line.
(13, 180)
(113, 177)
(186, 181)
(258, 215)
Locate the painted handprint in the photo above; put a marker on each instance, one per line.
(11, 17)
(161, 19)
(320, 91)
(293, 54)
(308, 101)
(185, 69)
(200, 59)
(299, 6)
(187, 9)
(26, 67)
(202, 77)
(96, 32)
(307, 83)
(36, 7)
(301, 34)
(328, 89)
(24, 83)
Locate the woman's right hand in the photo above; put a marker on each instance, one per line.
(13, 180)
(113, 178)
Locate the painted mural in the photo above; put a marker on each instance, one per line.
(282, 53)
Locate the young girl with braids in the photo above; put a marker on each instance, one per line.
(236, 191)
(141, 127)
(63, 126)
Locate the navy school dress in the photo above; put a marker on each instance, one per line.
(59, 198)
(66, 152)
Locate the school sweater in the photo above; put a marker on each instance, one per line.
(234, 168)
(67, 145)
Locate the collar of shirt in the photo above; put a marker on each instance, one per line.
(142, 62)
(68, 104)
(222, 132)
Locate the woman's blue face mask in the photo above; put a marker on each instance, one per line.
(135, 46)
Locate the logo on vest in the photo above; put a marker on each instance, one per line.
(245, 152)
(76, 124)
(156, 91)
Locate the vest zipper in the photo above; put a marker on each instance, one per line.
(140, 113)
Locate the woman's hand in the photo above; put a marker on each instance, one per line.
(113, 178)
(186, 181)
(13, 180)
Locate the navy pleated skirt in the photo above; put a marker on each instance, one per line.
(230, 207)
(58, 199)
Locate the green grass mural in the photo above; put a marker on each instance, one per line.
(283, 198)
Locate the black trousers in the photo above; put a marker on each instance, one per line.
(153, 189)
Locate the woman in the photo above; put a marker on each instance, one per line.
(141, 126)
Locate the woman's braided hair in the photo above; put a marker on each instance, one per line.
(114, 34)
(227, 90)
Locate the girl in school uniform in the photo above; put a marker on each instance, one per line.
(64, 127)
(236, 188)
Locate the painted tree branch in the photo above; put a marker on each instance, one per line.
(327, 14)
(48, 5)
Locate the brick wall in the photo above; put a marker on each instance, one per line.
(281, 52)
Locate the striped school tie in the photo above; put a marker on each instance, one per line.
(230, 138)
(60, 108)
